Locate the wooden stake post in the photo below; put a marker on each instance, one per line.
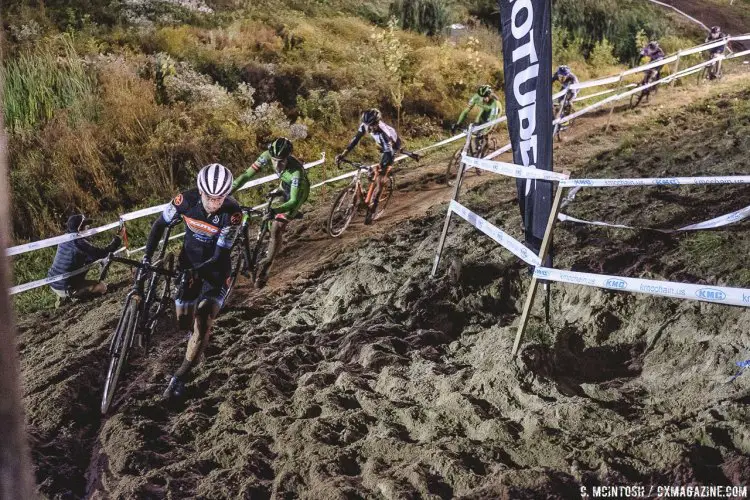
(16, 480)
(676, 68)
(614, 103)
(459, 178)
(534, 280)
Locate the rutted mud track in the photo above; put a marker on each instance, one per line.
(356, 375)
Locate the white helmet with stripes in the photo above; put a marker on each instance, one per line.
(215, 180)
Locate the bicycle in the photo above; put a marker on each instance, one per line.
(712, 71)
(563, 110)
(352, 198)
(244, 260)
(484, 143)
(144, 305)
(651, 75)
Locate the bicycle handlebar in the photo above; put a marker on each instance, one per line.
(276, 193)
(358, 165)
(134, 263)
(251, 210)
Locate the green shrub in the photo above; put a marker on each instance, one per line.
(429, 17)
(43, 80)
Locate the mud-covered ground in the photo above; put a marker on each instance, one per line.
(363, 377)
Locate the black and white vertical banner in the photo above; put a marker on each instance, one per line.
(527, 59)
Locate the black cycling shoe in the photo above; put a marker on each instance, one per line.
(368, 217)
(175, 389)
(261, 281)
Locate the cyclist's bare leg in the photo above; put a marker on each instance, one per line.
(376, 192)
(204, 320)
(185, 316)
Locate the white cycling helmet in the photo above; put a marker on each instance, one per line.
(215, 180)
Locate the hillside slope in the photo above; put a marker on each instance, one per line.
(365, 378)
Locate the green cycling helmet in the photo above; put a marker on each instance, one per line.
(280, 148)
(484, 91)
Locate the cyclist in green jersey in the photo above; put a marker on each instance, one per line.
(296, 187)
(489, 109)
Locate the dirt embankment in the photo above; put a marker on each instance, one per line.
(358, 376)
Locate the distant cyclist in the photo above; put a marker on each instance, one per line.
(714, 36)
(567, 78)
(296, 187)
(389, 144)
(654, 53)
(489, 109)
(212, 219)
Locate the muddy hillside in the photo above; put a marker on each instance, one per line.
(363, 377)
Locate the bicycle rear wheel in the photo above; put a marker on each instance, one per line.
(451, 170)
(342, 211)
(119, 349)
(385, 195)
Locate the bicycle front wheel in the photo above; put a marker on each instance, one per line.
(451, 170)
(385, 195)
(342, 211)
(119, 349)
(260, 251)
(237, 258)
(635, 99)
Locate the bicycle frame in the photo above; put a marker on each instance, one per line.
(357, 181)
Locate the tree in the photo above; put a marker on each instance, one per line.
(392, 52)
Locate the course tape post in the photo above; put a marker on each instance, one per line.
(704, 293)
(516, 247)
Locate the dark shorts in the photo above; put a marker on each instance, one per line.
(212, 285)
(386, 160)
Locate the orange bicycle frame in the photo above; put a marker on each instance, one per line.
(371, 188)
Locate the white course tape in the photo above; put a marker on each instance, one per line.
(46, 281)
(490, 123)
(273, 177)
(513, 170)
(36, 245)
(604, 92)
(516, 247)
(680, 12)
(651, 65)
(703, 48)
(52, 279)
(739, 54)
(334, 179)
(659, 181)
(596, 83)
(722, 220)
(500, 151)
(705, 293)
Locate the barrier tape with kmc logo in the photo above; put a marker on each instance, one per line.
(516, 247)
(705, 293)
